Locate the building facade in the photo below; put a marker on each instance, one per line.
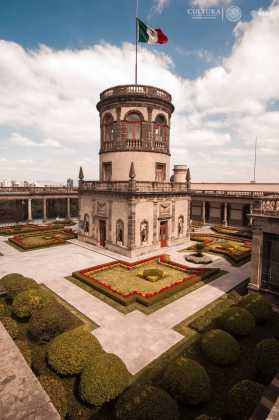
(265, 252)
(134, 208)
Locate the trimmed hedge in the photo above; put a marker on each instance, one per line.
(103, 379)
(56, 392)
(258, 306)
(219, 347)
(69, 352)
(51, 321)
(267, 359)
(237, 321)
(11, 326)
(146, 402)
(25, 303)
(16, 283)
(25, 350)
(187, 381)
(243, 398)
(4, 310)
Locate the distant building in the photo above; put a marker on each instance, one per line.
(134, 208)
(70, 183)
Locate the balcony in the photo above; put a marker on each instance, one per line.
(268, 207)
(136, 90)
(134, 187)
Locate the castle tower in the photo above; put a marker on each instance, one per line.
(134, 208)
(135, 127)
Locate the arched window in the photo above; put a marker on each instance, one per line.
(108, 128)
(120, 232)
(144, 231)
(86, 224)
(180, 225)
(134, 120)
(161, 128)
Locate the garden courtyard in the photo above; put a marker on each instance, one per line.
(141, 339)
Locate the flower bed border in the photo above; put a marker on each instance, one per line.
(149, 298)
(17, 240)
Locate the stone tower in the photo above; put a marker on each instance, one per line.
(134, 208)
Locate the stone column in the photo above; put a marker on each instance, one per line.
(68, 208)
(110, 222)
(173, 233)
(225, 214)
(203, 212)
(256, 259)
(251, 218)
(44, 209)
(30, 210)
(131, 224)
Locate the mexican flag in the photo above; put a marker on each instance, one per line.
(150, 35)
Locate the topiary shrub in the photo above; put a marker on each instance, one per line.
(16, 283)
(237, 321)
(243, 398)
(11, 326)
(25, 350)
(187, 381)
(4, 310)
(258, 306)
(152, 274)
(103, 379)
(69, 352)
(25, 303)
(219, 347)
(51, 321)
(267, 359)
(56, 392)
(146, 402)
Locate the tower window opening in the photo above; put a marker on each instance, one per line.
(161, 129)
(133, 121)
(107, 171)
(160, 172)
(108, 129)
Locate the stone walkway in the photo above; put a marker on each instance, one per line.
(21, 395)
(137, 338)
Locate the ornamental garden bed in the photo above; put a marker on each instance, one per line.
(232, 231)
(41, 239)
(237, 251)
(32, 228)
(126, 283)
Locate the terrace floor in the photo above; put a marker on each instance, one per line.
(136, 338)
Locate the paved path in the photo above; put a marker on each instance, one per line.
(21, 395)
(137, 338)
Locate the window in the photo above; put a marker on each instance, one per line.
(161, 129)
(143, 231)
(160, 172)
(134, 125)
(108, 128)
(180, 225)
(107, 171)
(120, 232)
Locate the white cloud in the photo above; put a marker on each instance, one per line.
(52, 94)
(210, 3)
(158, 6)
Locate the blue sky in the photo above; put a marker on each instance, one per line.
(66, 42)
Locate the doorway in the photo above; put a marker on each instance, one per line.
(102, 227)
(163, 233)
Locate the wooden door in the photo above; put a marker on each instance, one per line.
(102, 225)
(163, 233)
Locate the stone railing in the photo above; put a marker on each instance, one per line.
(267, 207)
(134, 186)
(37, 190)
(230, 194)
(136, 90)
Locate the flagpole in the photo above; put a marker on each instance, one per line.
(136, 65)
(255, 158)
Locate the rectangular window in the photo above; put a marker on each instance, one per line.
(160, 172)
(107, 171)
